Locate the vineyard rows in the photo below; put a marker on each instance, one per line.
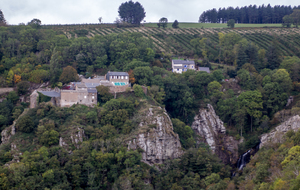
(177, 41)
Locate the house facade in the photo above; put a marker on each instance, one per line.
(180, 66)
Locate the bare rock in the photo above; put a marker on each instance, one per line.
(213, 132)
(208, 125)
(11, 130)
(77, 138)
(277, 134)
(156, 137)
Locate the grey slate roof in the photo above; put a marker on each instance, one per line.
(92, 85)
(206, 69)
(183, 62)
(92, 90)
(178, 67)
(115, 74)
(50, 93)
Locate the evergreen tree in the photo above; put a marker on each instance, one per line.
(131, 12)
(175, 24)
(273, 56)
(2, 19)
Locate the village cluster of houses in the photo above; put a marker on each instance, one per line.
(85, 92)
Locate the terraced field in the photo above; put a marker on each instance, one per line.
(177, 41)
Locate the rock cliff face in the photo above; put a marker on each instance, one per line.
(11, 130)
(277, 134)
(156, 137)
(212, 131)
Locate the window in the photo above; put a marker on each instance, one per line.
(93, 97)
(192, 67)
(92, 100)
(177, 69)
(122, 77)
(80, 100)
(84, 97)
(126, 77)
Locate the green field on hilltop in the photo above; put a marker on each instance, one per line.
(212, 25)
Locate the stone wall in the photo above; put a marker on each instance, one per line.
(71, 97)
(34, 99)
(116, 89)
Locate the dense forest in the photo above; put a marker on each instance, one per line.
(84, 147)
(248, 14)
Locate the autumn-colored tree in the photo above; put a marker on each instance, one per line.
(131, 77)
(69, 74)
(17, 78)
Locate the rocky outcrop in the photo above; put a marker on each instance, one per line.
(156, 137)
(77, 138)
(11, 130)
(211, 131)
(277, 134)
(208, 125)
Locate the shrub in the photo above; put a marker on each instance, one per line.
(25, 124)
(22, 87)
(138, 90)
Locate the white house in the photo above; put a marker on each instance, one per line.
(179, 66)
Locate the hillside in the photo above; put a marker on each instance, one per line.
(177, 41)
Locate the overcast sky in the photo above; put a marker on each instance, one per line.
(88, 11)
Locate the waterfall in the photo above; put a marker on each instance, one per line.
(245, 158)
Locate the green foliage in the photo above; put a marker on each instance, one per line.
(231, 23)
(49, 138)
(163, 22)
(35, 23)
(175, 24)
(157, 93)
(23, 87)
(143, 75)
(131, 12)
(69, 74)
(39, 76)
(103, 94)
(138, 91)
(43, 98)
(25, 124)
(13, 97)
(185, 133)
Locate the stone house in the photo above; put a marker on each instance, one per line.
(81, 95)
(180, 66)
(83, 92)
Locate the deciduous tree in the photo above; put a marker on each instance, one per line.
(163, 22)
(175, 24)
(23, 87)
(252, 102)
(69, 74)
